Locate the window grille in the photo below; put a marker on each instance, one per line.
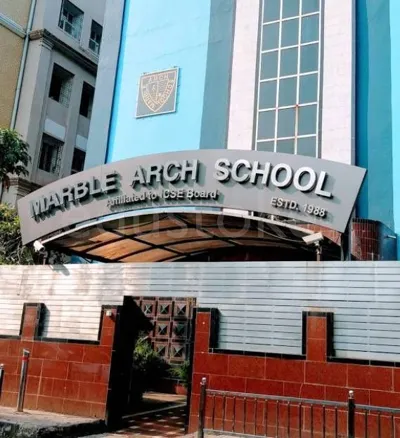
(61, 85)
(95, 37)
(71, 19)
(51, 154)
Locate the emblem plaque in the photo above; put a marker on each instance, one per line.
(157, 93)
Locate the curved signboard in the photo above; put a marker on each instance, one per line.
(307, 189)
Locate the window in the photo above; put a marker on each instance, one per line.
(61, 85)
(95, 37)
(87, 100)
(289, 75)
(51, 154)
(71, 19)
(78, 161)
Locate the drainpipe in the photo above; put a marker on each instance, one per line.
(23, 64)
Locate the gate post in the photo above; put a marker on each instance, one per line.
(22, 383)
(202, 405)
(351, 415)
(1, 376)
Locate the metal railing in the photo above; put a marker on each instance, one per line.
(240, 414)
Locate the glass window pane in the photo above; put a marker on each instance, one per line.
(309, 58)
(309, 6)
(307, 120)
(308, 89)
(290, 32)
(310, 29)
(307, 146)
(270, 36)
(287, 91)
(267, 95)
(271, 10)
(289, 61)
(266, 124)
(286, 122)
(290, 8)
(285, 146)
(265, 146)
(269, 65)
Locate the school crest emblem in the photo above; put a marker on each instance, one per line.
(157, 94)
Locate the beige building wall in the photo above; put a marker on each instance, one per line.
(10, 55)
(13, 14)
(16, 10)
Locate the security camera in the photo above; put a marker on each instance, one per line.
(313, 238)
(39, 247)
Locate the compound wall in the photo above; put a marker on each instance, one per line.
(261, 307)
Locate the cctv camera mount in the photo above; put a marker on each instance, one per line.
(315, 238)
(39, 247)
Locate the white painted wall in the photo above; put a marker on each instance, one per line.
(261, 304)
(54, 129)
(243, 83)
(338, 73)
(81, 142)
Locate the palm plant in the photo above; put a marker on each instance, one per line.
(182, 373)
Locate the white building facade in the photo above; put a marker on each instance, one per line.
(56, 90)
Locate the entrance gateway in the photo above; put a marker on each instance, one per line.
(177, 206)
(238, 189)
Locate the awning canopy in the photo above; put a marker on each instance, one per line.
(172, 235)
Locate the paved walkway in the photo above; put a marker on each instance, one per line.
(119, 435)
(166, 423)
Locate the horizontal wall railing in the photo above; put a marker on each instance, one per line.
(260, 303)
(242, 414)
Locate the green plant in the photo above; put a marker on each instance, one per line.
(12, 252)
(14, 157)
(182, 373)
(147, 369)
(148, 362)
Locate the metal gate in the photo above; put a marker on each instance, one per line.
(240, 414)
